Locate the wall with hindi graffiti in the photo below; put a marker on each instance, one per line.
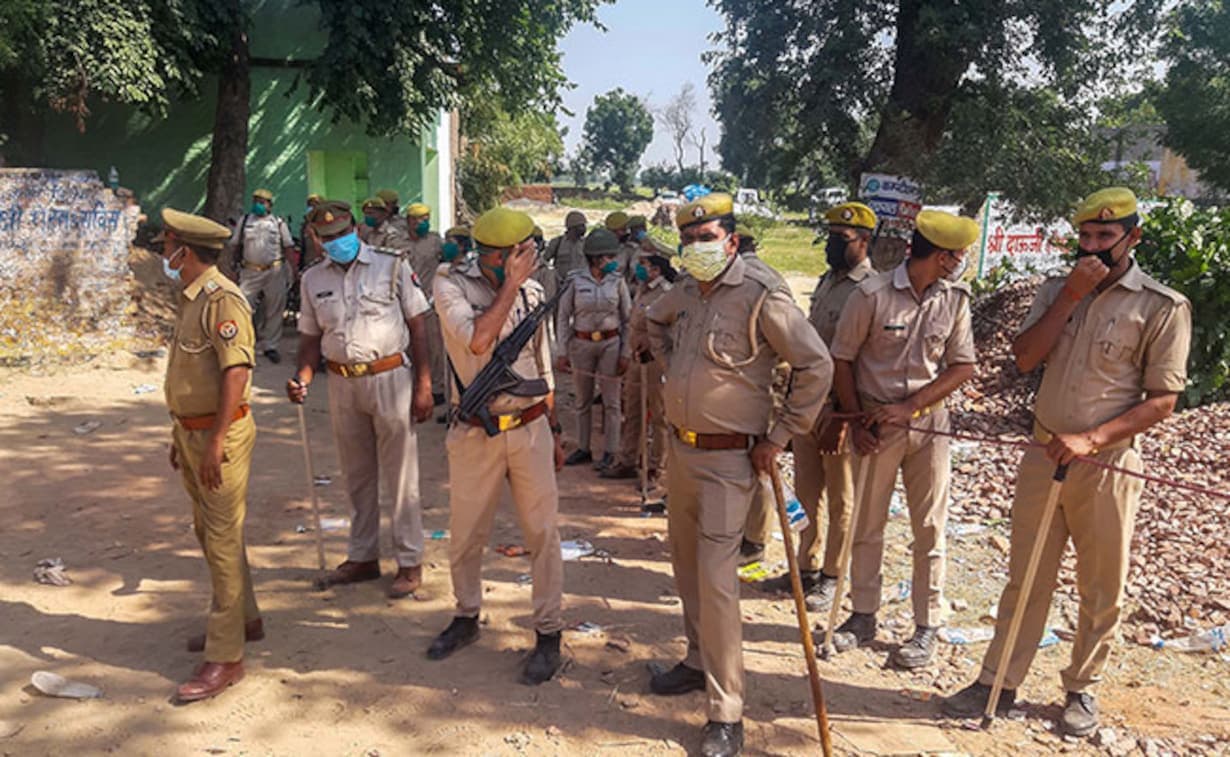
(65, 283)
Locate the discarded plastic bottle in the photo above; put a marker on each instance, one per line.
(113, 178)
(794, 510)
(1212, 640)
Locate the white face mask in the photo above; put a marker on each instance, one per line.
(171, 273)
(959, 271)
(704, 261)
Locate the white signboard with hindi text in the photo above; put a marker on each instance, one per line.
(1022, 249)
(896, 201)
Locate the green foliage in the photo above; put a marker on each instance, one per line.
(1195, 100)
(1188, 249)
(618, 128)
(504, 150)
(829, 88)
(663, 176)
(392, 65)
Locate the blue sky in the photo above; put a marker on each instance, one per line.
(650, 48)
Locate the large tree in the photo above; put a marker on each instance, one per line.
(618, 128)
(503, 150)
(894, 86)
(1195, 100)
(677, 118)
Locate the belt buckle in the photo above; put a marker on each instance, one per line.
(687, 437)
(595, 336)
(509, 422)
(359, 369)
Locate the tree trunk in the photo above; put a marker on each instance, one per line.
(229, 149)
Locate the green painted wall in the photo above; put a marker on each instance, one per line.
(165, 161)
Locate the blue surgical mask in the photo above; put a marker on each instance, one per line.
(449, 251)
(371, 221)
(259, 209)
(171, 273)
(641, 272)
(497, 270)
(343, 249)
(422, 227)
(610, 266)
(640, 235)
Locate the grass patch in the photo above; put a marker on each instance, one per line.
(789, 249)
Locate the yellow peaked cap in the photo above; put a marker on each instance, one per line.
(501, 227)
(263, 194)
(616, 220)
(330, 217)
(946, 231)
(417, 210)
(374, 202)
(854, 214)
(194, 229)
(389, 196)
(705, 208)
(1110, 204)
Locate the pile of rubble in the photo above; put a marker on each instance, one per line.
(1178, 579)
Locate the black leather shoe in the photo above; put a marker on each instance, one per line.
(750, 552)
(1080, 714)
(544, 661)
(918, 651)
(607, 461)
(273, 356)
(721, 739)
(781, 584)
(460, 633)
(971, 702)
(678, 680)
(820, 597)
(579, 456)
(859, 630)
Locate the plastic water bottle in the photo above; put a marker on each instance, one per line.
(1212, 640)
(795, 514)
(113, 178)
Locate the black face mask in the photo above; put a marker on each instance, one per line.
(835, 252)
(1105, 256)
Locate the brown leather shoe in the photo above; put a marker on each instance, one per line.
(210, 680)
(351, 572)
(406, 582)
(253, 630)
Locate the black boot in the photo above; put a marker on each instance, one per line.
(918, 651)
(678, 680)
(607, 461)
(820, 596)
(859, 630)
(750, 552)
(544, 661)
(971, 702)
(579, 456)
(721, 739)
(461, 632)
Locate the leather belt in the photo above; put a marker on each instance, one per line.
(712, 441)
(515, 420)
(206, 422)
(355, 370)
(597, 336)
(1044, 436)
(259, 267)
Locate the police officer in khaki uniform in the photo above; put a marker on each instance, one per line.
(363, 309)
(1114, 345)
(209, 378)
(903, 343)
(655, 277)
(381, 228)
(260, 246)
(823, 464)
(425, 253)
(719, 334)
(566, 253)
(480, 301)
(592, 325)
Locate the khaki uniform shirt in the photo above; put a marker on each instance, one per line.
(390, 235)
(900, 342)
(361, 312)
(264, 238)
(213, 332)
(718, 355)
(462, 294)
(591, 304)
(1117, 345)
(829, 298)
(566, 254)
(638, 331)
(424, 254)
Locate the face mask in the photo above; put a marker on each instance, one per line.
(422, 227)
(835, 252)
(449, 252)
(959, 271)
(307, 210)
(705, 261)
(641, 272)
(640, 235)
(171, 273)
(371, 221)
(259, 209)
(1105, 256)
(497, 271)
(343, 249)
(610, 266)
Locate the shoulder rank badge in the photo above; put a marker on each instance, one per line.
(228, 329)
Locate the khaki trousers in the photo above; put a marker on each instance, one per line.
(478, 466)
(1097, 509)
(923, 461)
(710, 493)
(600, 358)
(378, 448)
(762, 515)
(826, 480)
(437, 357)
(630, 434)
(217, 519)
(273, 285)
